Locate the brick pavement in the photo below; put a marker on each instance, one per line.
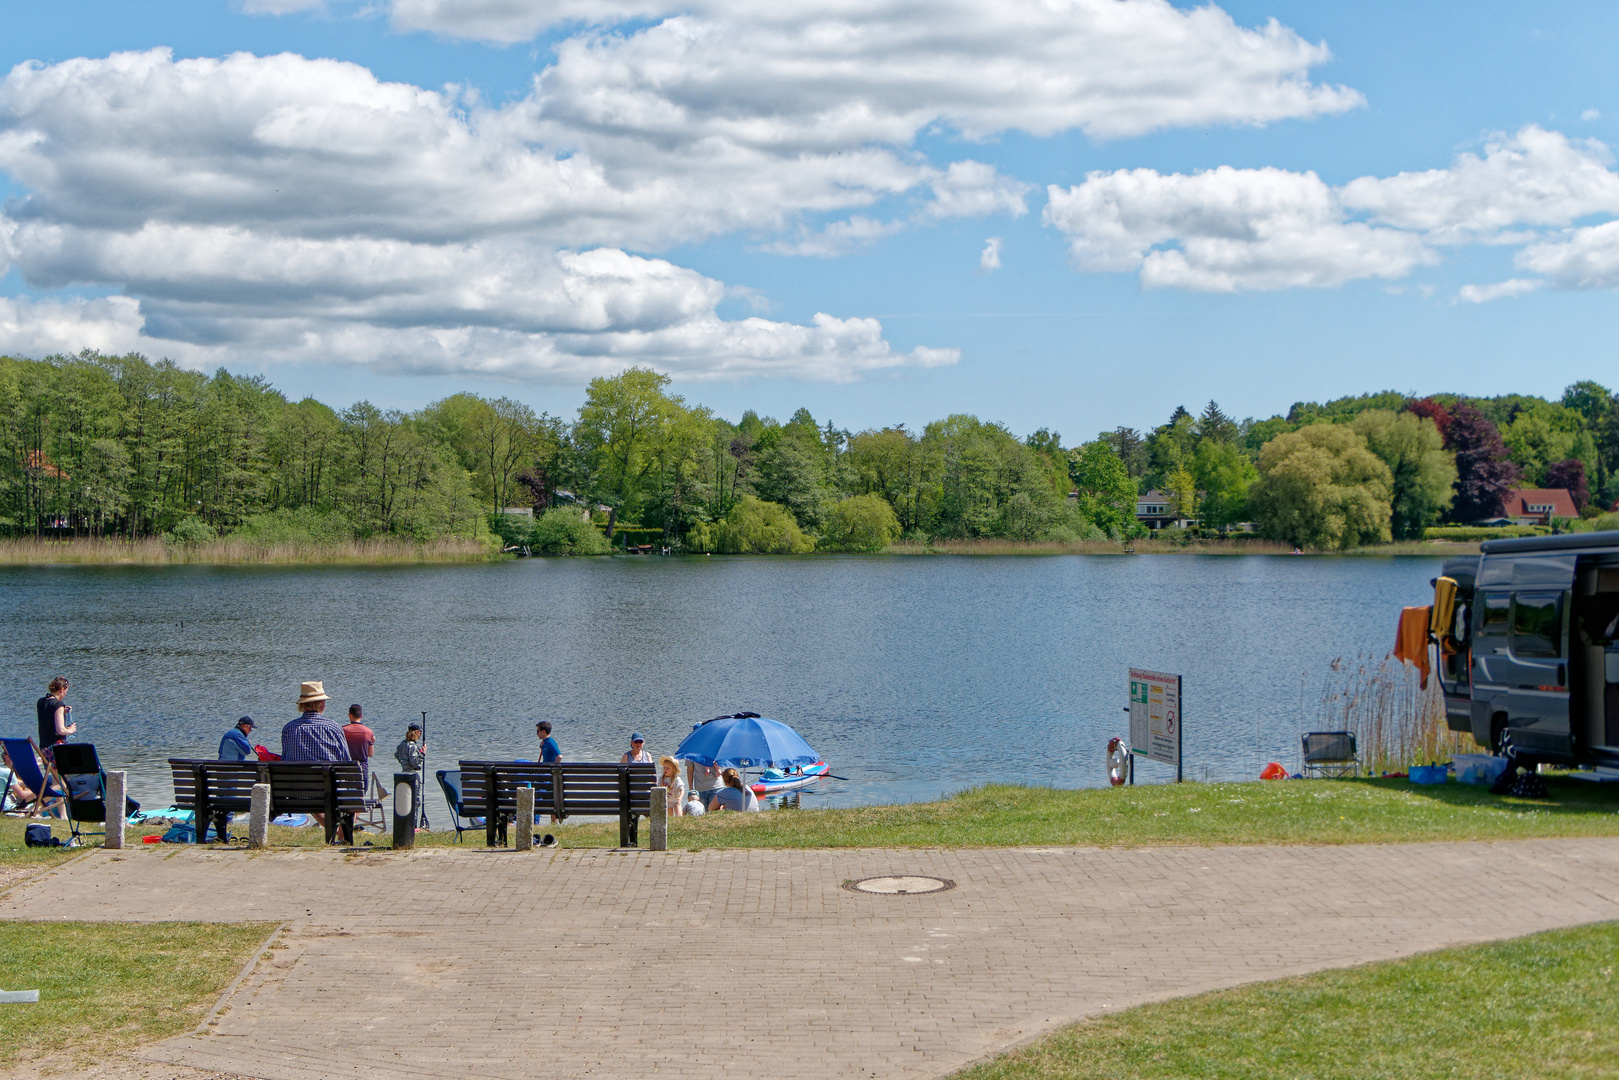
(447, 963)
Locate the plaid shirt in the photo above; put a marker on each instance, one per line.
(312, 737)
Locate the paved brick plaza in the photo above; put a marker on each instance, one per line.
(447, 963)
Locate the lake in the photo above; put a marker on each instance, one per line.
(911, 675)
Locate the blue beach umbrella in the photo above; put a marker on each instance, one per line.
(746, 741)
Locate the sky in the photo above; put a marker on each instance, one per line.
(1070, 214)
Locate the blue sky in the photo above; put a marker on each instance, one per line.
(1184, 206)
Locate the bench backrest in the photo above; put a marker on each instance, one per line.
(564, 788)
(295, 786)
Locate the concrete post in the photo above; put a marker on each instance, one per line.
(117, 783)
(258, 816)
(404, 810)
(524, 838)
(659, 819)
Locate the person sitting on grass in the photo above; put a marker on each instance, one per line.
(733, 796)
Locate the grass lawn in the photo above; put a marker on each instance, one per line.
(1276, 812)
(104, 987)
(1545, 1005)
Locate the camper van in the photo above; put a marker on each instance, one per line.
(1526, 638)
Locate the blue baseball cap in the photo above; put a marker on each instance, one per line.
(637, 737)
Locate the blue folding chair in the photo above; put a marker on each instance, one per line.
(27, 766)
(450, 781)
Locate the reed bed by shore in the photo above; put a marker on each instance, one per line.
(1144, 546)
(1397, 721)
(155, 552)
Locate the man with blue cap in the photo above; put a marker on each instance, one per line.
(236, 746)
(636, 755)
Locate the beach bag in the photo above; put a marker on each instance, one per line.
(264, 753)
(181, 833)
(40, 836)
(1529, 786)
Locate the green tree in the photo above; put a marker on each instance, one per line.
(1107, 495)
(1224, 474)
(860, 523)
(1321, 487)
(1422, 471)
(891, 463)
(752, 526)
(622, 419)
(1542, 434)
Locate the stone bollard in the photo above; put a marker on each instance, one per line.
(117, 784)
(659, 819)
(523, 839)
(258, 816)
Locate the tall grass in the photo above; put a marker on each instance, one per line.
(155, 552)
(1396, 721)
(1145, 546)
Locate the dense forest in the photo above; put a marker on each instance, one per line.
(117, 446)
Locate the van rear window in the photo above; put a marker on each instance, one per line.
(1537, 624)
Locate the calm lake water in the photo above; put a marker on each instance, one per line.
(911, 675)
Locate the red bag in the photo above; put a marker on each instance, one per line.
(266, 754)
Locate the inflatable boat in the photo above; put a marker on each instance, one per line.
(775, 781)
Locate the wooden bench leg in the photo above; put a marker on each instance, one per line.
(626, 817)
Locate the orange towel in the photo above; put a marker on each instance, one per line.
(1411, 640)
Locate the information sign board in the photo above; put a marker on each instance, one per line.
(1155, 716)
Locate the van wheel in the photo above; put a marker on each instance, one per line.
(1498, 734)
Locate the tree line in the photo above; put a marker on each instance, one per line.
(118, 446)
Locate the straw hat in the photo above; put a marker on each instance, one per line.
(311, 692)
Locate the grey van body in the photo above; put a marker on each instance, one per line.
(1536, 656)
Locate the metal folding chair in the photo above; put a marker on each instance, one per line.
(1330, 753)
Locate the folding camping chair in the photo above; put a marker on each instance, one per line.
(28, 766)
(374, 817)
(79, 767)
(1330, 753)
(450, 781)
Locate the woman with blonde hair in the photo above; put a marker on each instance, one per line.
(734, 795)
(674, 786)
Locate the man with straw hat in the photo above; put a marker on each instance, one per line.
(312, 737)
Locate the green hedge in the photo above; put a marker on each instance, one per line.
(1473, 532)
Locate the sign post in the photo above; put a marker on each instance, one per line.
(1155, 717)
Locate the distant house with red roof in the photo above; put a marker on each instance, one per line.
(1537, 506)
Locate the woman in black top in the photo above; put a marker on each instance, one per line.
(54, 726)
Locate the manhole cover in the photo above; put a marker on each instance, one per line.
(899, 886)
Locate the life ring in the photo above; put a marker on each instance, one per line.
(1118, 762)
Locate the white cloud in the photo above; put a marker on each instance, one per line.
(1224, 230)
(1244, 229)
(990, 258)
(1590, 114)
(836, 238)
(886, 69)
(270, 202)
(1482, 294)
(1585, 258)
(1534, 177)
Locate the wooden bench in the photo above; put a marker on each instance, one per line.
(213, 789)
(489, 791)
